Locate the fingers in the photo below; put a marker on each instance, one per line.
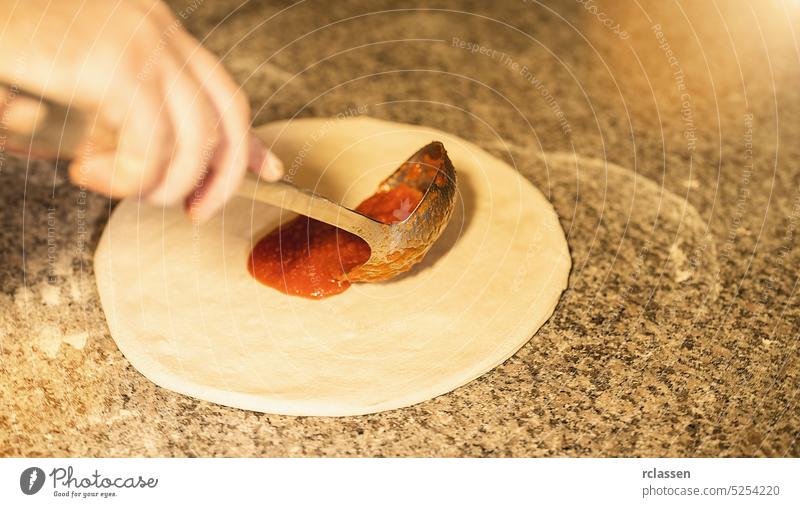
(236, 149)
(195, 121)
(231, 152)
(185, 133)
(139, 161)
(263, 162)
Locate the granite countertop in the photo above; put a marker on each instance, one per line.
(678, 335)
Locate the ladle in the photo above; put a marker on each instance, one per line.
(54, 130)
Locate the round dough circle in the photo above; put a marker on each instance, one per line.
(183, 309)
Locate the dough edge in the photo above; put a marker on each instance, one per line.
(125, 336)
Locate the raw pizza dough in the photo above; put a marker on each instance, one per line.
(183, 309)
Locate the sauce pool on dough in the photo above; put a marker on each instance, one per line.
(308, 258)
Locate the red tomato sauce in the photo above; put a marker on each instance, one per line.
(309, 258)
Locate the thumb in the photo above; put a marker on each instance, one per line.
(113, 174)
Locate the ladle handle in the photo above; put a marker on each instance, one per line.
(304, 202)
(37, 127)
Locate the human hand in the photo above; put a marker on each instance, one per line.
(182, 124)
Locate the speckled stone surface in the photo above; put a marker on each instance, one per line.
(673, 163)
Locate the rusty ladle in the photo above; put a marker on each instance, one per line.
(53, 130)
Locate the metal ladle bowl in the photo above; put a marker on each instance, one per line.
(395, 248)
